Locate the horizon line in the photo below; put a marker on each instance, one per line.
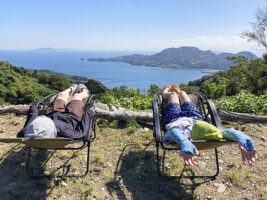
(132, 50)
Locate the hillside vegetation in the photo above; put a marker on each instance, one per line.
(21, 86)
(242, 88)
(246, 74)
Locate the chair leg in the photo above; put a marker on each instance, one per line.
(28, 163)
(158, 162)
(217, 163)
(194, 176)
(88, 158)
(28, 171)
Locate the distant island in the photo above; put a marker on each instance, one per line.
(45, 49)
(180, 58)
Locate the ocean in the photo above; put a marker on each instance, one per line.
(111, 74)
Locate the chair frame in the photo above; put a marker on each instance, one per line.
(86, 141)
(209, 115)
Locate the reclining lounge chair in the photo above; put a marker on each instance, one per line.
(57, 143)
(209, 114)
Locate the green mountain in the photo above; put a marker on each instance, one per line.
(75, 78)
(19, 85)
(249, 75)
(180, 58)
(22, 86)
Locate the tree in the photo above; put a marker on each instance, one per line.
(214, 90)
(189, 88)
(250, 76)
(95, 87)
(264, 58)
(154, 89)
(258, 32)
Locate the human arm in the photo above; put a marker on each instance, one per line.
(246, 145)
(187, 150)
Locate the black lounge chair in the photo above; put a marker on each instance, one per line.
(209, 114)
(59, 143)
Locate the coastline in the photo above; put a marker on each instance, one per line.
(210, 71)
(204, 71)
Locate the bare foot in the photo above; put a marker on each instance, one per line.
(81, 95)
(176, 89)
(81, 87)
(85, 92)
(72, 89)
(165, 92)
(167, 88)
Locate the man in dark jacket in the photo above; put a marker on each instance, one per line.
(63, 118)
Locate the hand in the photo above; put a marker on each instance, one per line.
(248, 157)
(188, 158)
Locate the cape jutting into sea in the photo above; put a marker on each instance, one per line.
(111, 74)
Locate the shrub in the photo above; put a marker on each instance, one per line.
(154, 89)
(95, 87)
(244, 102)
(129, 98)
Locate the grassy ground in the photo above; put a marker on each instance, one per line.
(123, 166)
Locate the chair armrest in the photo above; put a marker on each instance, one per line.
(90, 104)
(37, 103)
(214, 115)
(156, 122)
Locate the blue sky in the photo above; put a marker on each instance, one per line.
(127, 24)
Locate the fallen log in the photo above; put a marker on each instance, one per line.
(101, 111)
(114, 113)
(240, 117)
(15, 109)
(124, 115)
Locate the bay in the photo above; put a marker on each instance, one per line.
(111, 74)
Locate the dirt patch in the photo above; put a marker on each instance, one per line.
(123, 166)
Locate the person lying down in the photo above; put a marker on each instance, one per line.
(65, 117)
(183, 121)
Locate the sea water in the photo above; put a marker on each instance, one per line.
(111, 74)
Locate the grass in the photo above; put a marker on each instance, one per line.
(139, 144)
(234, 163)
(109, 177)
(263, 193)
(247, 174)
(229, 125)
(175, 166)
(235, 178)
(14, 122)
(131, 123)
(100, 159)
(122, 166)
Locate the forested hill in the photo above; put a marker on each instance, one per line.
(181, 58)
(74, 78)
(22, 86)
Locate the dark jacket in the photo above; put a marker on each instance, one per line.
(68, 124)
